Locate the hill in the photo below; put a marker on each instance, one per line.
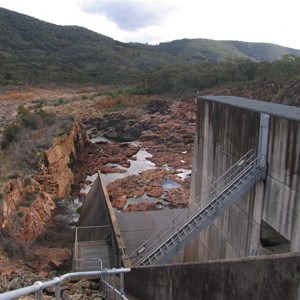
(226, 50)
(32, 50)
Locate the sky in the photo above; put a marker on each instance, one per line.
(152, 21)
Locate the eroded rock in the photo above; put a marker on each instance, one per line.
(26, 209)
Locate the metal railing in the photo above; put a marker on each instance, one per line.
(250, 159)
(106, 276)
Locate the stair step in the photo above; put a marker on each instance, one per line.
(216, 202)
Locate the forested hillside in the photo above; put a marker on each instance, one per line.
(219, 51)
(34, 51)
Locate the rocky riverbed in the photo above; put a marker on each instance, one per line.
(165, 132)
(160, 132)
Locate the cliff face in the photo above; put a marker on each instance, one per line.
(25, 209)
(28, 203)
(56, 171)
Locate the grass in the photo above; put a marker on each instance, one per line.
(115, 93)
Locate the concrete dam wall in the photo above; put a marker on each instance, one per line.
(265, 277)
(267, 219)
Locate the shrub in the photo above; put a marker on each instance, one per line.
(49, 118)
(26, 118)
(58, 102)
(22, 110)
(10, 134)
(28, 137)
(13, 246)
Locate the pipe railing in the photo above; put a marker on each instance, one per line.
(200, 202)
(38, 287)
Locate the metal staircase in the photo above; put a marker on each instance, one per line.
(202, 211)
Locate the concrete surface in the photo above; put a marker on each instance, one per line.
(264, 278)
(224, 133)
(137, 227)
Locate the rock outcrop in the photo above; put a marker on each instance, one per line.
(28, 202)
(166, 129)
(56, 172)
(149, 183)
(26, 208)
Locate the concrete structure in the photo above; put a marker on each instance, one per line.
(137, 227)
(267, 219)
(272, 277)
(98, 222)
(127, 231)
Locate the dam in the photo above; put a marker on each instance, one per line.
(266, 219)
(257, 232)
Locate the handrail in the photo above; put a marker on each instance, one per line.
(38, 286)
(196, 204)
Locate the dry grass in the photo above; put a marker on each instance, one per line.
(6, 169)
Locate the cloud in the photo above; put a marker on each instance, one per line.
(130, 15)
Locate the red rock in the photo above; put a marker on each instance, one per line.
(125, 164)
(178, 197)
(55, 264)
(149, 137)
(120, 202)
(27, 207)
(111, 169)
(155, 191)
(29, 189)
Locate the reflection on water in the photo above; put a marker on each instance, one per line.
(100, 139)
(170, 184)
(137, 166)
(184, 173)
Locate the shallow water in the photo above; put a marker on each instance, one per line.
(99, 139)
(170, 184)
(184, 173)
(137, 166)
(66, 210)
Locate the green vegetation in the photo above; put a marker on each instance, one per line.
(24, 141)
(3, 179)
(115, 93)
(186, 79)
(25, 120)
(35, 51)
(58, 102)
(10, 133)
(219, 51)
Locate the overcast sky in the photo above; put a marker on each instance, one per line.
(271, 21)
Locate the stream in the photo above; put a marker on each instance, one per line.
(68, 208)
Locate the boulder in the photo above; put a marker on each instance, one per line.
(120, 202)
